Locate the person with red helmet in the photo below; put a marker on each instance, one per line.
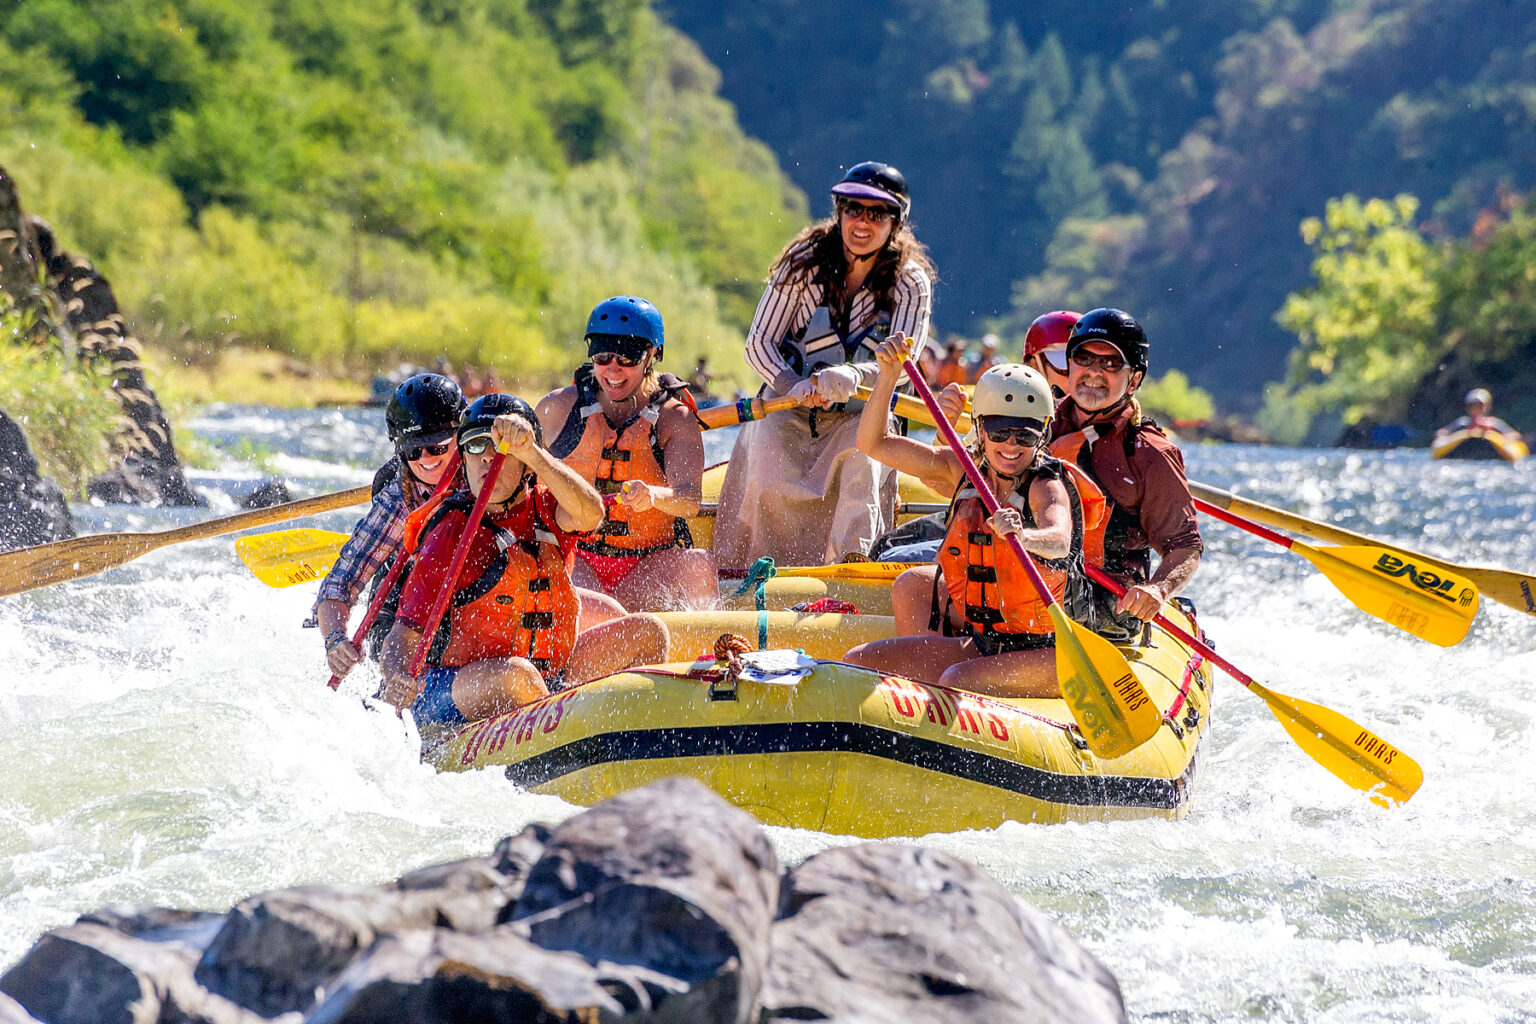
(634, 434)
(510, 634)
(1100, 427)
(797, 489)
(1045, 347)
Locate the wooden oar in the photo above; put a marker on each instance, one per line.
(1110, 705)
(46, 564)
(744, 410)
(1515, 589)
(1348, 750)
(913, 408)
(1434, 606)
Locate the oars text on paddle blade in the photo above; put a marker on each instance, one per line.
(1108, 702)
(1350, 751)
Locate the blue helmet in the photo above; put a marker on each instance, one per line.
(624, 316)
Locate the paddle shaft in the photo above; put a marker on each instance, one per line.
(912, 408)
(1243, 524)
(381, 594)
(46, 564)
(744, 410)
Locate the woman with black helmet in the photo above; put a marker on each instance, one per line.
(634, 434)
(510, 633)
(421, 417)
(797, 489)
(1099, 425)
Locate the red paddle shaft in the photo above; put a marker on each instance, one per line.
(974, 472)
(460, 553)
(1243, 524)
(382, 593)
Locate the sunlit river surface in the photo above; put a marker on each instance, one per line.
(166, 737)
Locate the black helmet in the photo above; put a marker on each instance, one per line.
(1115, 327)
(424, 410)
(870, 180)
(482, 412)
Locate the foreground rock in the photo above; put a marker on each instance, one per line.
(664, 904)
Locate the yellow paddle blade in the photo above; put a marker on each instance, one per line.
(1430, 602)
(1348, 750)
(1110, 705)
(283, 558)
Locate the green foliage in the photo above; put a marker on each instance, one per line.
(1367, 327)
(68, 412)
(359, 182)
(1171, 398)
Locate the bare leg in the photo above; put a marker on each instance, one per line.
(911, 599)
(1011, 674)
(639, 639)
(924, 658)
(596, 607)
(677, 578)
(493, 686)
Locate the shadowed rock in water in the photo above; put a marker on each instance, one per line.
(32, 507)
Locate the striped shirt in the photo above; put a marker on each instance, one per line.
(791, 298)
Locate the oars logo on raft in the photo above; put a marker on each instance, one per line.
(1426, 580)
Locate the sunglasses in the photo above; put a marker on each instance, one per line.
(1056, 357)
(417, 451)
(476, 445)
(1111, 363)
(604, 358)
(877, 214)
(1001, 433)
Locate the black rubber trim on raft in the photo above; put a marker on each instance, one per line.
(844, 737)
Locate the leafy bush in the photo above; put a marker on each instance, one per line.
(1172, 399)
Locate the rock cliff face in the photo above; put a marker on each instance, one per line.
(64, 291)
(663, 904)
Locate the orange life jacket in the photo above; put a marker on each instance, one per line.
(985, 579)
(610, 456)
(523, 604)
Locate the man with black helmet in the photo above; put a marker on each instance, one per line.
(510, 633)
(1099, 424)
(421, 417)
(797, 489)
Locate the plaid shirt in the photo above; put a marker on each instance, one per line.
(375, 539)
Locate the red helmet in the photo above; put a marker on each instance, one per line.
(1049, 329)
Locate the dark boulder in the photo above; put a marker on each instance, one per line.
(669, 877)
(907, 935)
(32, 507)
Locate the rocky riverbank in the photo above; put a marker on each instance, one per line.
(663, 904)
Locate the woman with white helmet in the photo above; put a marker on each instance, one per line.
(973, 620)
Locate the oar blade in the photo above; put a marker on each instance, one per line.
(1347, 749)
(284, 558)
(1428, 601)
(1110, 705)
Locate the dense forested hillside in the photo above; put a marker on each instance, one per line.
(1157, 156)
(357, 181)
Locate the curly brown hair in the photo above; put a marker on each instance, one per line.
(816, 253)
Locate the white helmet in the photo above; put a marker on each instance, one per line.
(1478, 395)
(1012, 389)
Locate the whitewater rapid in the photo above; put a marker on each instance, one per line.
(167, 737)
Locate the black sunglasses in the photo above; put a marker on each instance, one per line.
(476, 445)
(1112, 363)
(997, 433)
(413, 452)
(877, 214)
(604, 358)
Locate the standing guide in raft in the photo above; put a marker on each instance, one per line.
(797, 490)
(1099, 427)
(510, 633)
(421, 417)
(973, 620)
(635, 435)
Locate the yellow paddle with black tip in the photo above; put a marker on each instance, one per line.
(1434, 605)
(1351, 751)
(46, 564)
(1110, 705)
(1514, 589)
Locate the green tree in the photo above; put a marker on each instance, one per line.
(1367, 328)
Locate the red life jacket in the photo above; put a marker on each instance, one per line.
(985, 579)
(522, 604)
(610, 456)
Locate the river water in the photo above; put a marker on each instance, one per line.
(167, 737)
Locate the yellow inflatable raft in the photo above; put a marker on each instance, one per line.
(1479, 443)
(823, 745)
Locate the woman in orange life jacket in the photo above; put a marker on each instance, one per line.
(634, 434)
(983, 626)
(510, 633)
